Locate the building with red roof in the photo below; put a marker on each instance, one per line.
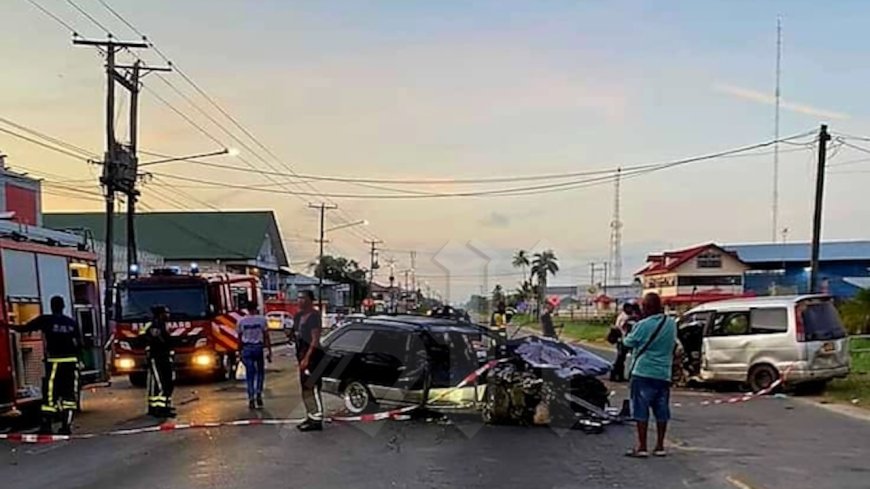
(691, 276)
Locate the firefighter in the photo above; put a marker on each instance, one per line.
(62, 356)
(159, 353)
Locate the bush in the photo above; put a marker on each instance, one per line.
(856, 313)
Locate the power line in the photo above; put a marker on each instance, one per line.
(54, 17)
(534, 189)
(212, 102)
(51, 139)
(45, 145)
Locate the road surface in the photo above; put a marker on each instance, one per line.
(765, 444)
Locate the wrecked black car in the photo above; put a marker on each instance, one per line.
(406, 360)
(545, 382)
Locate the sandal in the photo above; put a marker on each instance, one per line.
(635, 453)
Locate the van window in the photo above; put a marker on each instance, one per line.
(821, 321)
(730, 324)
(393, 344)
(769, 320)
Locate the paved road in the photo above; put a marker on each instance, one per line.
(768, 443)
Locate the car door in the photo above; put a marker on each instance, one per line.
(383, 364)
(343, 351)
(726, 346)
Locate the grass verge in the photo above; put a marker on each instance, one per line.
(854, 389)
(576, 329)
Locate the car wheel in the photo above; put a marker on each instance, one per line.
(761, 377)
(138, 379)
(357, 398)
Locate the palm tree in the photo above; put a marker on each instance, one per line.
(521, 260)
(544, 264)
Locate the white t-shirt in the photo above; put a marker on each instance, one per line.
(252, 330)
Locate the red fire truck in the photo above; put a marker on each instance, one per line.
(203, 312)
(35, 265)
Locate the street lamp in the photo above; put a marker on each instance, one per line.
(225, 151)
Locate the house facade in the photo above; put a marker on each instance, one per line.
(694, 275)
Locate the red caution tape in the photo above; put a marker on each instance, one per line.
(394, 414)
(747, 397)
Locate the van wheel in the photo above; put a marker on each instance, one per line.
(762, 377)
(357, 398)
(138, 379)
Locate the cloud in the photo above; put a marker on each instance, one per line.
(495, 220)
(767, 99)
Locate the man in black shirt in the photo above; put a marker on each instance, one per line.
(60, 394)
(308, 327)
(160, 370)
(547, 327)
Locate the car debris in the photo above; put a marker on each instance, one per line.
(547, 382)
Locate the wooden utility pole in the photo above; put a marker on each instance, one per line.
(824, 137)
(115, 172)
(323, 208)
(372, 262)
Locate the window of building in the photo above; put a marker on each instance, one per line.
(769, 320)
(709, 280)
(709, 259)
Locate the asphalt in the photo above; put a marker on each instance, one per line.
(766, 443)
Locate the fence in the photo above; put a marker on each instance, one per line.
(859, 349)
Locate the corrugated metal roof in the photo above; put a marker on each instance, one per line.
(800, 252)
(860, 282)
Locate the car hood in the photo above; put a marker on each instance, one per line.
(564, 359)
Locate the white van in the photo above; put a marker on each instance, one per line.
(754, 340)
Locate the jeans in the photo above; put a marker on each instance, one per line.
(648, 393)
(255, 369)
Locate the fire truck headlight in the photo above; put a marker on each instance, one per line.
(125, 363)
(202, 342)
(203, 360)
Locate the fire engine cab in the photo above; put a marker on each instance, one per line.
(204, 309)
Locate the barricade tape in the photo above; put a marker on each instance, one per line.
(394, 413)
(399, 414)
(746, 397)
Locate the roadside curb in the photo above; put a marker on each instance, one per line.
(841, 409)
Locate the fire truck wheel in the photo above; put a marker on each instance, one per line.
(138, 379)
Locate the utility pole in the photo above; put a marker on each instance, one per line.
(120, 163)
(372, 263)
(616, 231)
(414, 272)
(323, 208)
(824, 137)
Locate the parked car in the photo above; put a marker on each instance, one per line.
(404, 360)
(279, 321)
(753, 340)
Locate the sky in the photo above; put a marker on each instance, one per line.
(455, 89)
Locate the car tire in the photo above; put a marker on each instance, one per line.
(358, 399)
(138, 379)
(761, 377)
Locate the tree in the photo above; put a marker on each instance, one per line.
(521, 260)
(544, 264)
(856, 312)
(346, 271)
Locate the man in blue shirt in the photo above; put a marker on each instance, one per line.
(652, 341)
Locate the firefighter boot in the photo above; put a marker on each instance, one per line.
(66, 422)
(45, 427)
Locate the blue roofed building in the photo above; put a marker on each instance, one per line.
(777, 269)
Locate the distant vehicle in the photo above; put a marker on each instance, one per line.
(204, 309)
(404, 360)
(279, 321)
(752, 340)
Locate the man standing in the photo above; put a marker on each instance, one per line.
(60, 395)
(629, 315)
(308, 327)
(160, 369)
(653, 340)
(254, 337)
(547, 327)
